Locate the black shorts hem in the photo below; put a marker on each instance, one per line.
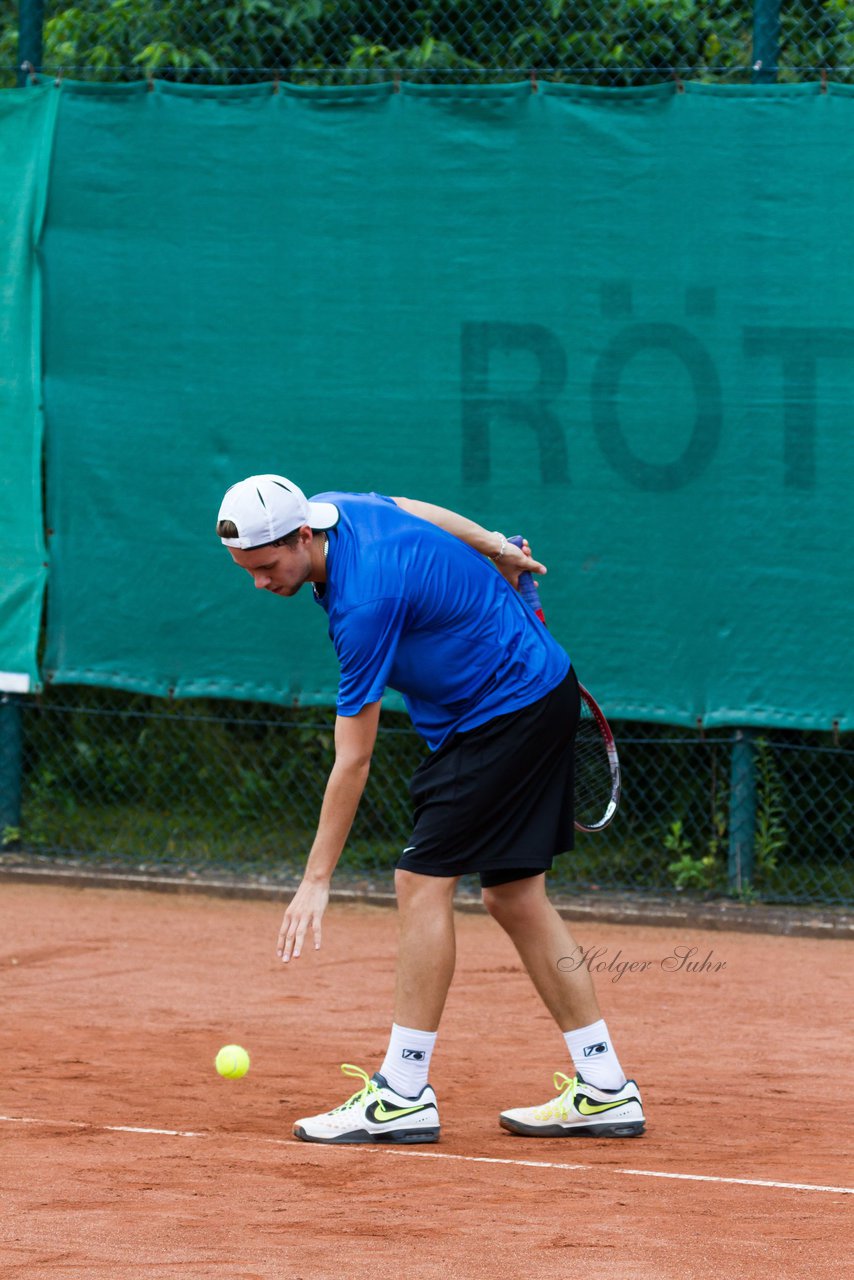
(490, 878)
(509, 875)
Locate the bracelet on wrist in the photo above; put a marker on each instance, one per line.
(501, 548)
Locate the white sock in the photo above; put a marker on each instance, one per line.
(594, 1057)
(407, 1059)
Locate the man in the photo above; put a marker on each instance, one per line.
(415, 603)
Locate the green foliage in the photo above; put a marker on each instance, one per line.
(696, 873)
(8, 43)
(675, 841)
(9, 836)
(707, 870)
(687, 871)
(771, 838)
(719, 831)
(624, 43)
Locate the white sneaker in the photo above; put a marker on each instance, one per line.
(375, 1114)
(581, 1109)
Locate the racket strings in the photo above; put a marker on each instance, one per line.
(593, 780)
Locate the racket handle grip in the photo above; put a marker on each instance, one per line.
(527, 589)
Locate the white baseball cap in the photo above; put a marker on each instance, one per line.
(265, 508)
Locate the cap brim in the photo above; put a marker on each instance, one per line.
(323, 515)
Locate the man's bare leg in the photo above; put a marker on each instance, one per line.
(606, 1104)
(427, 948)
(542, 939)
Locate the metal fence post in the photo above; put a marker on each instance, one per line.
(742, 810)
(30, 34)
(11, 762)
(766, 40)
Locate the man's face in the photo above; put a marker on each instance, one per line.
(282, 570)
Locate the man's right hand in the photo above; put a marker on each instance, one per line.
(305, 911)
(515, 561)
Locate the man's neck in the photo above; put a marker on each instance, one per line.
(319, 551)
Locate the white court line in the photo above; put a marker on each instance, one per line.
(169, 1133)
(738, 1182)
(103, 1128)
(444, 1155)
(637, 1173)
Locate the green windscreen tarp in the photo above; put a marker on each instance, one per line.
(618, 321)
(26, 127)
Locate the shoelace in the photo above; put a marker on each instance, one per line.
(360, 1095)
(559, 1106)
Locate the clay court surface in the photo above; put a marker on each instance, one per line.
(115, 1003)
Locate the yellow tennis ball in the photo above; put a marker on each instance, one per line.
(232, 1062)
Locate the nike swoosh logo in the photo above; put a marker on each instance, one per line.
(410, 848)
(378, 1114)
(588, 1108)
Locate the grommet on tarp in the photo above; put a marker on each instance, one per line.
(836, 733)
(535, 88)
(149, 79)
(824, 80)
(680, 88)
(57, 81)
(396, 86)
(275, 84)
(29, 71)
(700, 728)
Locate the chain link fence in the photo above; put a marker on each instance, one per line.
(327, 41)
(232, 789)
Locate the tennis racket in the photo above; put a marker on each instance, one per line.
(597, 765)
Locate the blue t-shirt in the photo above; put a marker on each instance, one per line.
(413, 608)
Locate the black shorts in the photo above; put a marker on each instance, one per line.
(498, 800)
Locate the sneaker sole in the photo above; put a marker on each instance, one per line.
(628, 1129)
(406, 1136)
